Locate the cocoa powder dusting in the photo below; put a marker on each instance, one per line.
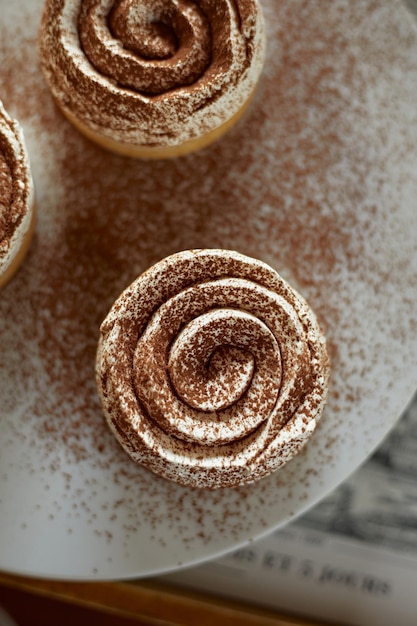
(211, 298)
(310, 181)
(16, 190)
(5, 194)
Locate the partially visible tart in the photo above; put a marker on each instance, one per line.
(17, 197)
(211, 369)
(154, 78)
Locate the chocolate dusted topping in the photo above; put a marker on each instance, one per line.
(6, 190)
(150, 47)
(203, 424)
(152, 35)
(154, 74)
(16, 189)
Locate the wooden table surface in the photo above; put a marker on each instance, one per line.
(33, 602)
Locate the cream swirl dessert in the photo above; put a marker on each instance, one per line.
(212, 371)
(17, 198)
(152, 79)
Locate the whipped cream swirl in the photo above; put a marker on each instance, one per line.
(152, 73)
(150, 47)
(211, 369)
(16, 191)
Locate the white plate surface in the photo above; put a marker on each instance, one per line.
(319, 180)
